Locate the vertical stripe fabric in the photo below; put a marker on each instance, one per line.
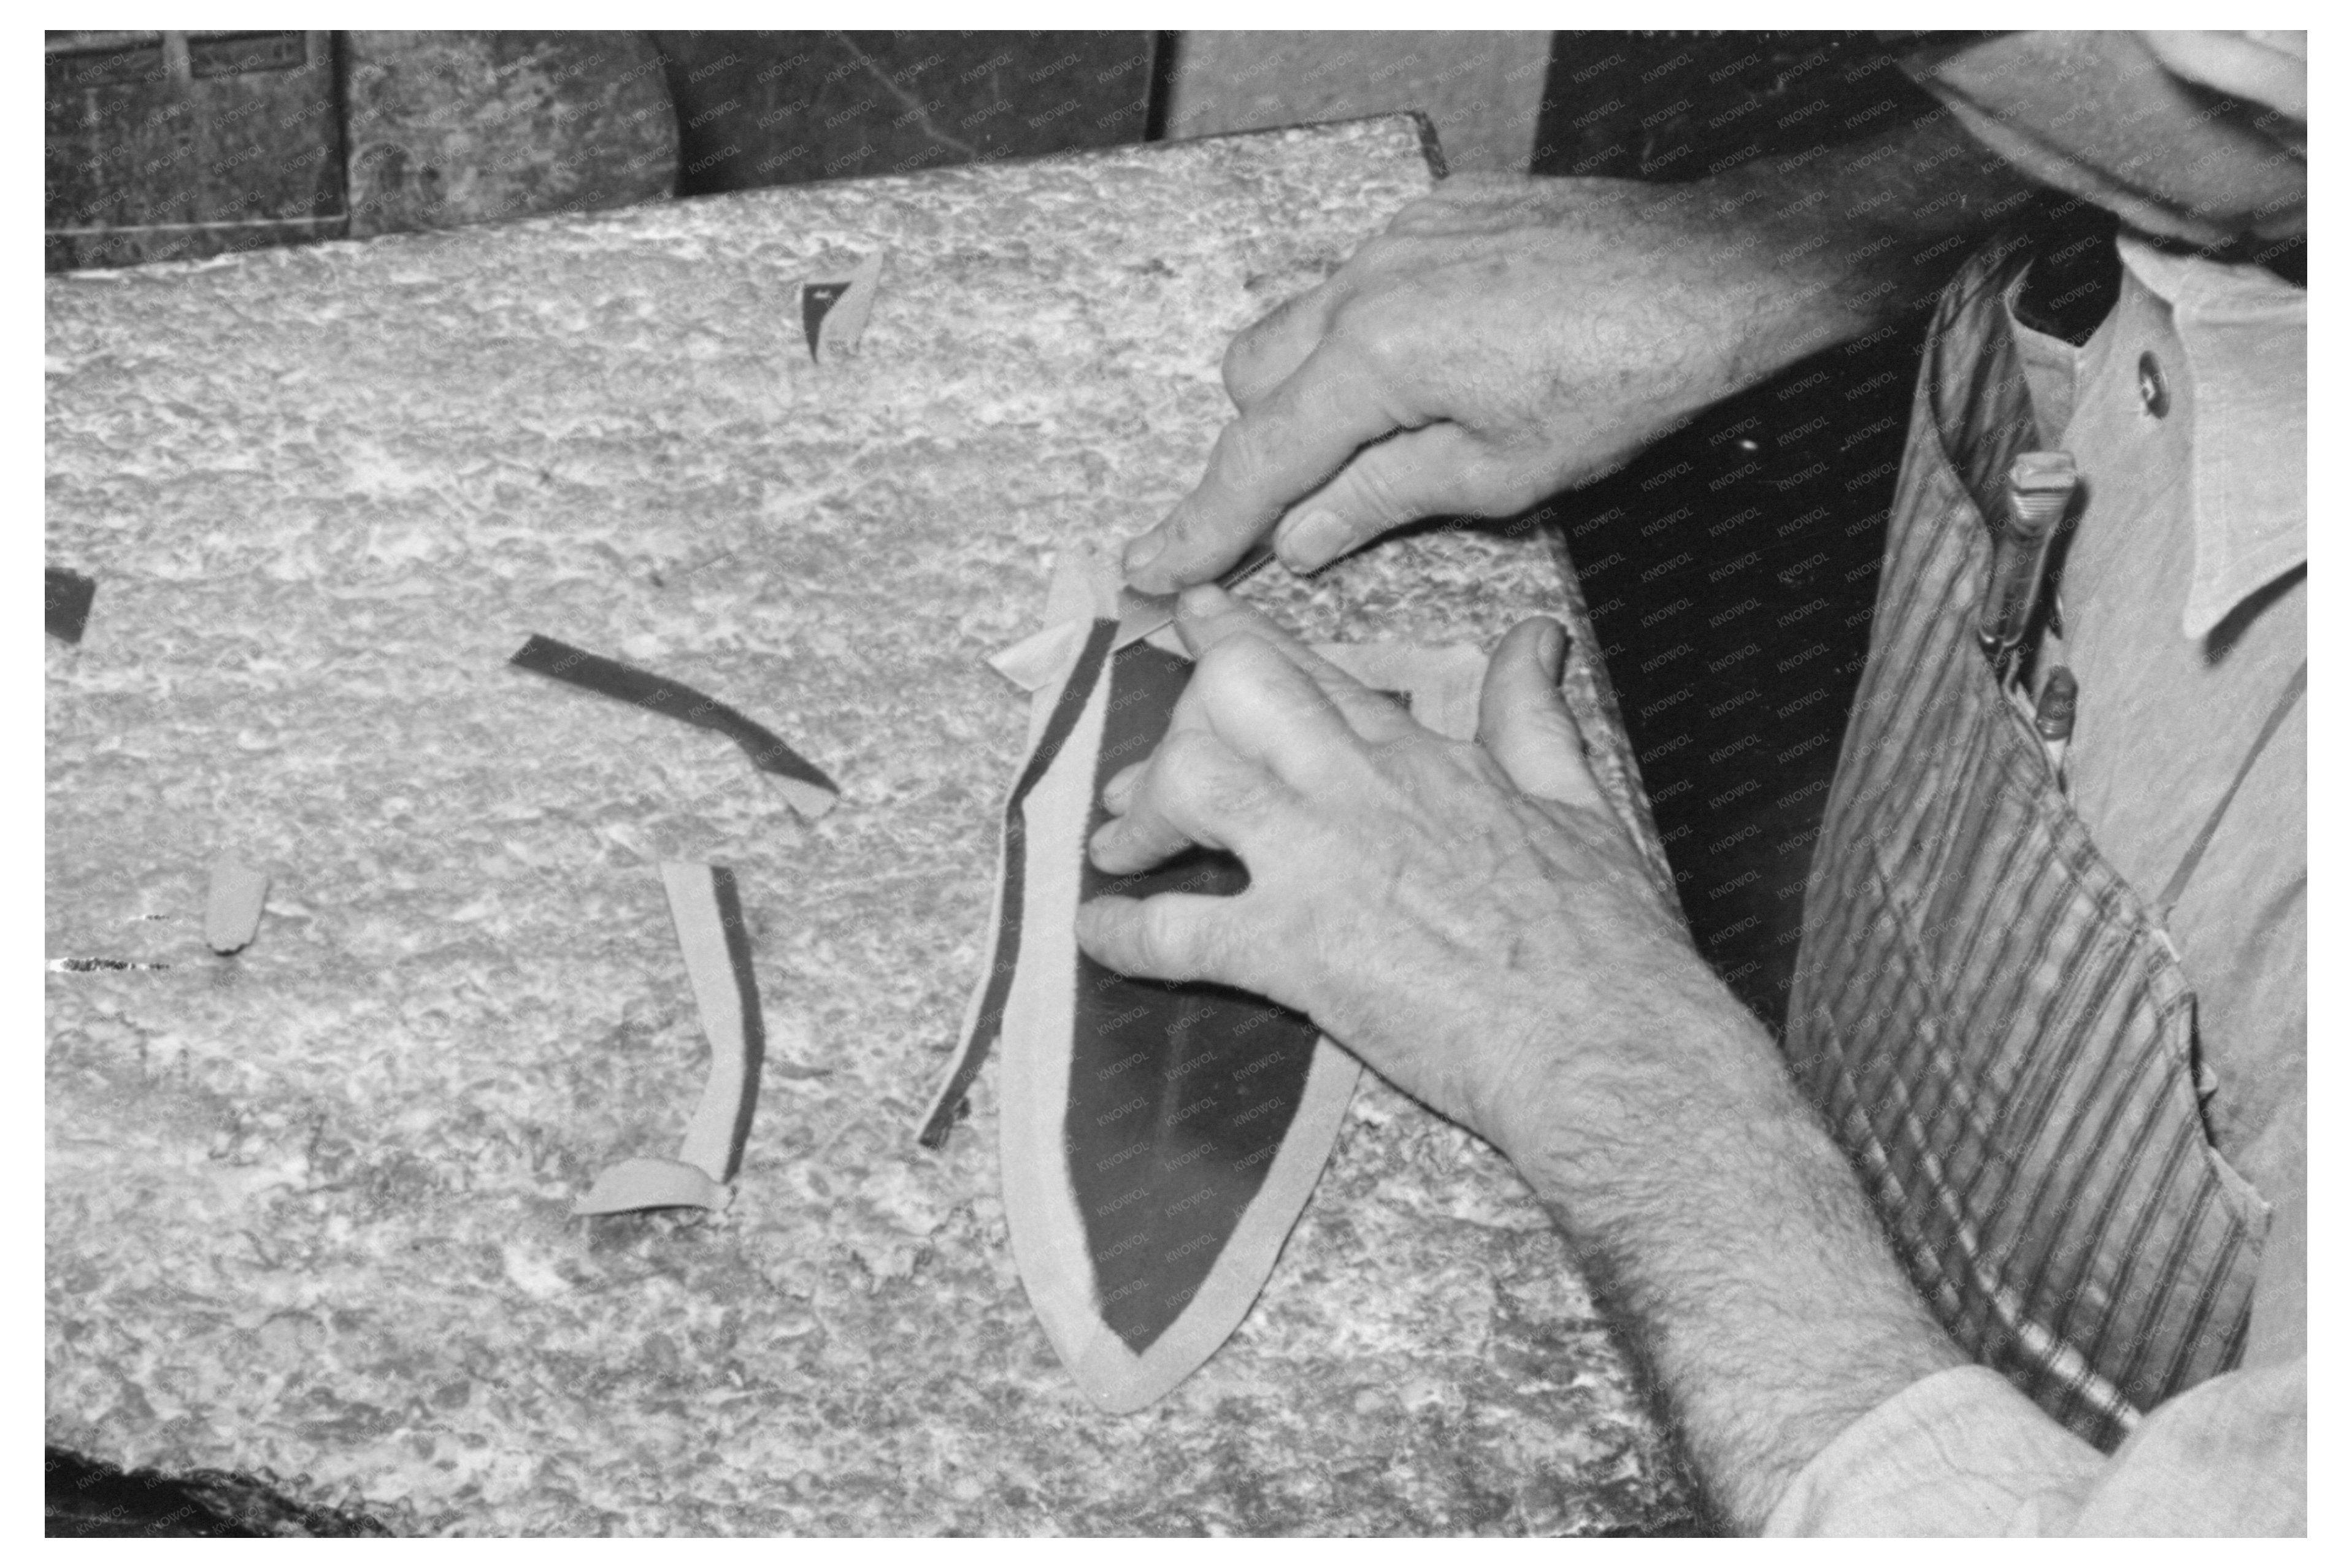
(1990, 1018)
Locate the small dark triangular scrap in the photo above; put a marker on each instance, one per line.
(816, 299)
(69, 597)
(833, 311)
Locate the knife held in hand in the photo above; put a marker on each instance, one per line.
(1141, 614)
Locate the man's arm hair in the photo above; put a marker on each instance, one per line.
(1727, 1236)
(1857, 235)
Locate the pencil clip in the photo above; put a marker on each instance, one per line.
(2054, 719)
(2040, 485)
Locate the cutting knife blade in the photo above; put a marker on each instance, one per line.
(1141, 614)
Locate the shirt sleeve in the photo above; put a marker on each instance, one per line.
(1963, 1453)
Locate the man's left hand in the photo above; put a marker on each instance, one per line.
(1472, 919)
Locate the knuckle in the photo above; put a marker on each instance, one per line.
(1241, 799)
(1254, 342)
(1213, 669)
(1377, 339)
(1377, 491)
(1184, 525)
(1227, 671)
(1175, 944)
(1507, 481)
(1180, 758)
(1384, 250)
(1363, 324)
(1244, 452)
(1207, 791)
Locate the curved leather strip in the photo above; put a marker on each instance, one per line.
(988, 1019)
(647, 1184)
(709, 915)
(610, 677)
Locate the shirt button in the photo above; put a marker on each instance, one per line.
(2152, 393)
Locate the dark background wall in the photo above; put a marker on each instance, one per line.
(1731, 568)
(784, 107)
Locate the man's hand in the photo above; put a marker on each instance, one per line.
(1459, 915)
(1474, 922)
(1505, 339)
(1510, 337)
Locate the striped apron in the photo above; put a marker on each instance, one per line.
(1992, 1021)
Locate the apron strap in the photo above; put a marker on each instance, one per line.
(2204, 839)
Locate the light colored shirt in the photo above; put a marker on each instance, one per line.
(2183, 609)
(2184, 623)
(1963, 1453)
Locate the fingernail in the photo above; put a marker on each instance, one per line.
(1200, 601)
(1308, 541)
(1142, 550)
(1552, 648)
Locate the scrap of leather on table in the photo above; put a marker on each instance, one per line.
(708, 914)
(833, 312)
(804, 785)
(1157, 1142)
(68, 595)
(233, 905)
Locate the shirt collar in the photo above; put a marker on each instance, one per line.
(2242, 333)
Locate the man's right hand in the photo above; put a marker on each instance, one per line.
(1510, 337)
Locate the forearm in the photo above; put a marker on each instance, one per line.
(1726, 1232)
(1507, 338)
(1836, 242)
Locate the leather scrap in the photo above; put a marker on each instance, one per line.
(985, 1019)
(833, 312)
(1157, 1142)
(233, 905)
(708, 916)
(67, 600)
(804, 785)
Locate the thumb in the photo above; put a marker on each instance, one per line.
(1525, 724)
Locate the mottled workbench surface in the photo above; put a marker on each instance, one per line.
(308, 1207)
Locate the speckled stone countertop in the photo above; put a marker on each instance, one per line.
(308, 1207)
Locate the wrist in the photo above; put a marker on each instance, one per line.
(1613, 1083)
(1725, 1233)
(1851, 237)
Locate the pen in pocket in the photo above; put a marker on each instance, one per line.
(2054, 719)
